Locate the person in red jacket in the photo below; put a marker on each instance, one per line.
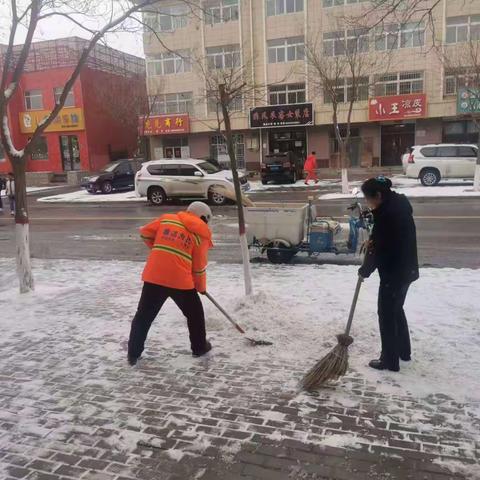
(176, 269)
(310, 167)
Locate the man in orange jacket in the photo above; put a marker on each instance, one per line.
(310, 167)
(176, 269)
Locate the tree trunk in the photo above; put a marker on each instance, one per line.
(22, 231)
(476, 180)
(247, 274)
(343, 163)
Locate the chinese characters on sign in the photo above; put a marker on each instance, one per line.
(281, 115)
(397, 107)
(468, 100)
(164, 124)
(68, 120)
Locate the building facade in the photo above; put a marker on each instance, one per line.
(95, 126)
(412, 100)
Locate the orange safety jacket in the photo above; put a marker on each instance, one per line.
(179, 251)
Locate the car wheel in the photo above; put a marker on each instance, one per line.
(217, 199)
(430, 177)
(156, 196)
(280, 255)
(264, 181)
(107, 187)
(293, 178)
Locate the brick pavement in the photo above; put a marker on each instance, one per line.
(69, 411)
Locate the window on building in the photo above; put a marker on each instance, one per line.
(171, 103)
(405, 35)
(345, 91)
(349, 41)
(167, 19)
(236, 105)
(335, 3)
(168, 63)
(218, 147)
(285, 94)
(40, 149)
(399, 83)
(456, 79)
(463, 29)
(69, 101)
(463, 131)
(286, 50)
(33, 100)
(224, 57)
(282, 7)
(221, 11)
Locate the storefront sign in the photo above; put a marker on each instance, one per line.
(282, 115)
(397, 107)
(468, 100)
(164, 124)
(68, 120)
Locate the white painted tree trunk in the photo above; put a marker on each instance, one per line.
(345, 187)
(476, 181)
(247, 272)
(24, 266)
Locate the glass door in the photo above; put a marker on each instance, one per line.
(70, 151)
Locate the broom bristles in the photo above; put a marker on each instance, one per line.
(331, 367)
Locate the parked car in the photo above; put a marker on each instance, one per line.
(434, 162)
(281, 168)
(119, 175)
(160, 180)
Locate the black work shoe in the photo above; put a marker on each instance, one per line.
(405, 358)
(381, 365)
(200, 353)
(132, 360)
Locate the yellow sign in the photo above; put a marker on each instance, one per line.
(68, 120)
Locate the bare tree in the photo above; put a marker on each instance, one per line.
(341, 72)
(462, 62)
(30, 15)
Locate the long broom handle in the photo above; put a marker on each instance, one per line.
(230, 319)
(354, 305)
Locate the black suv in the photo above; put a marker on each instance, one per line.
(282, 168)
(119, 175)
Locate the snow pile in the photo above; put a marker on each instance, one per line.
(82, 196)
(257, 186)
(34, 189)
(413, 188)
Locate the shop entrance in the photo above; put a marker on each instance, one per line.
(70, 151)
(282, 141)
(396, 139)
(175, 147)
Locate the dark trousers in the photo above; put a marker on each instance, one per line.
(393, 323)
(151, 301)
(12, 204)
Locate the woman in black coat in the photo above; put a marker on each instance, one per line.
(393, 252)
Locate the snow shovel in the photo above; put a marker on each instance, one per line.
(236, 325)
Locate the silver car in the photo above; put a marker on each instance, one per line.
(160, 180)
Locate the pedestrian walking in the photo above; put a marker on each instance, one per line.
(310, 167)
(2, 187)
(10, 192)
(393, 251)
(176, 269)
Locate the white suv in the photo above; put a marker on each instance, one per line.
(160, 180)
(431, 163)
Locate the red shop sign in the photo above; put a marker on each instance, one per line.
(164, 124)
(397, 107)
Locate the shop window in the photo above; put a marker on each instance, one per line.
(33, 100)
(220, 58)
(286, 94)
(399, 84)
(460, 132)
(346, 92)
(218, 147)
(169, 63)
(282, 7)
(171, 103)
(69, 101)
(40, 149)
(221, 11)
(463, 29)
(286, 50)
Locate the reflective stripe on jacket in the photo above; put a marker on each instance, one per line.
(179, 251)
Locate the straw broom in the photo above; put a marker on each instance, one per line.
(334, 365)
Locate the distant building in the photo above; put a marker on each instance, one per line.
(98, 123)
(414, 102)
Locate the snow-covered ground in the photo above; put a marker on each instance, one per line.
(35, 189)
(413, 188)
(82, 196)
(257, 186)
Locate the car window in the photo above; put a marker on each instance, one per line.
(209, 168)
(110, 167)
(429, 151)
(188, 170)
(165, 170)
(123, 169)
(466, 152)
(447, 151)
